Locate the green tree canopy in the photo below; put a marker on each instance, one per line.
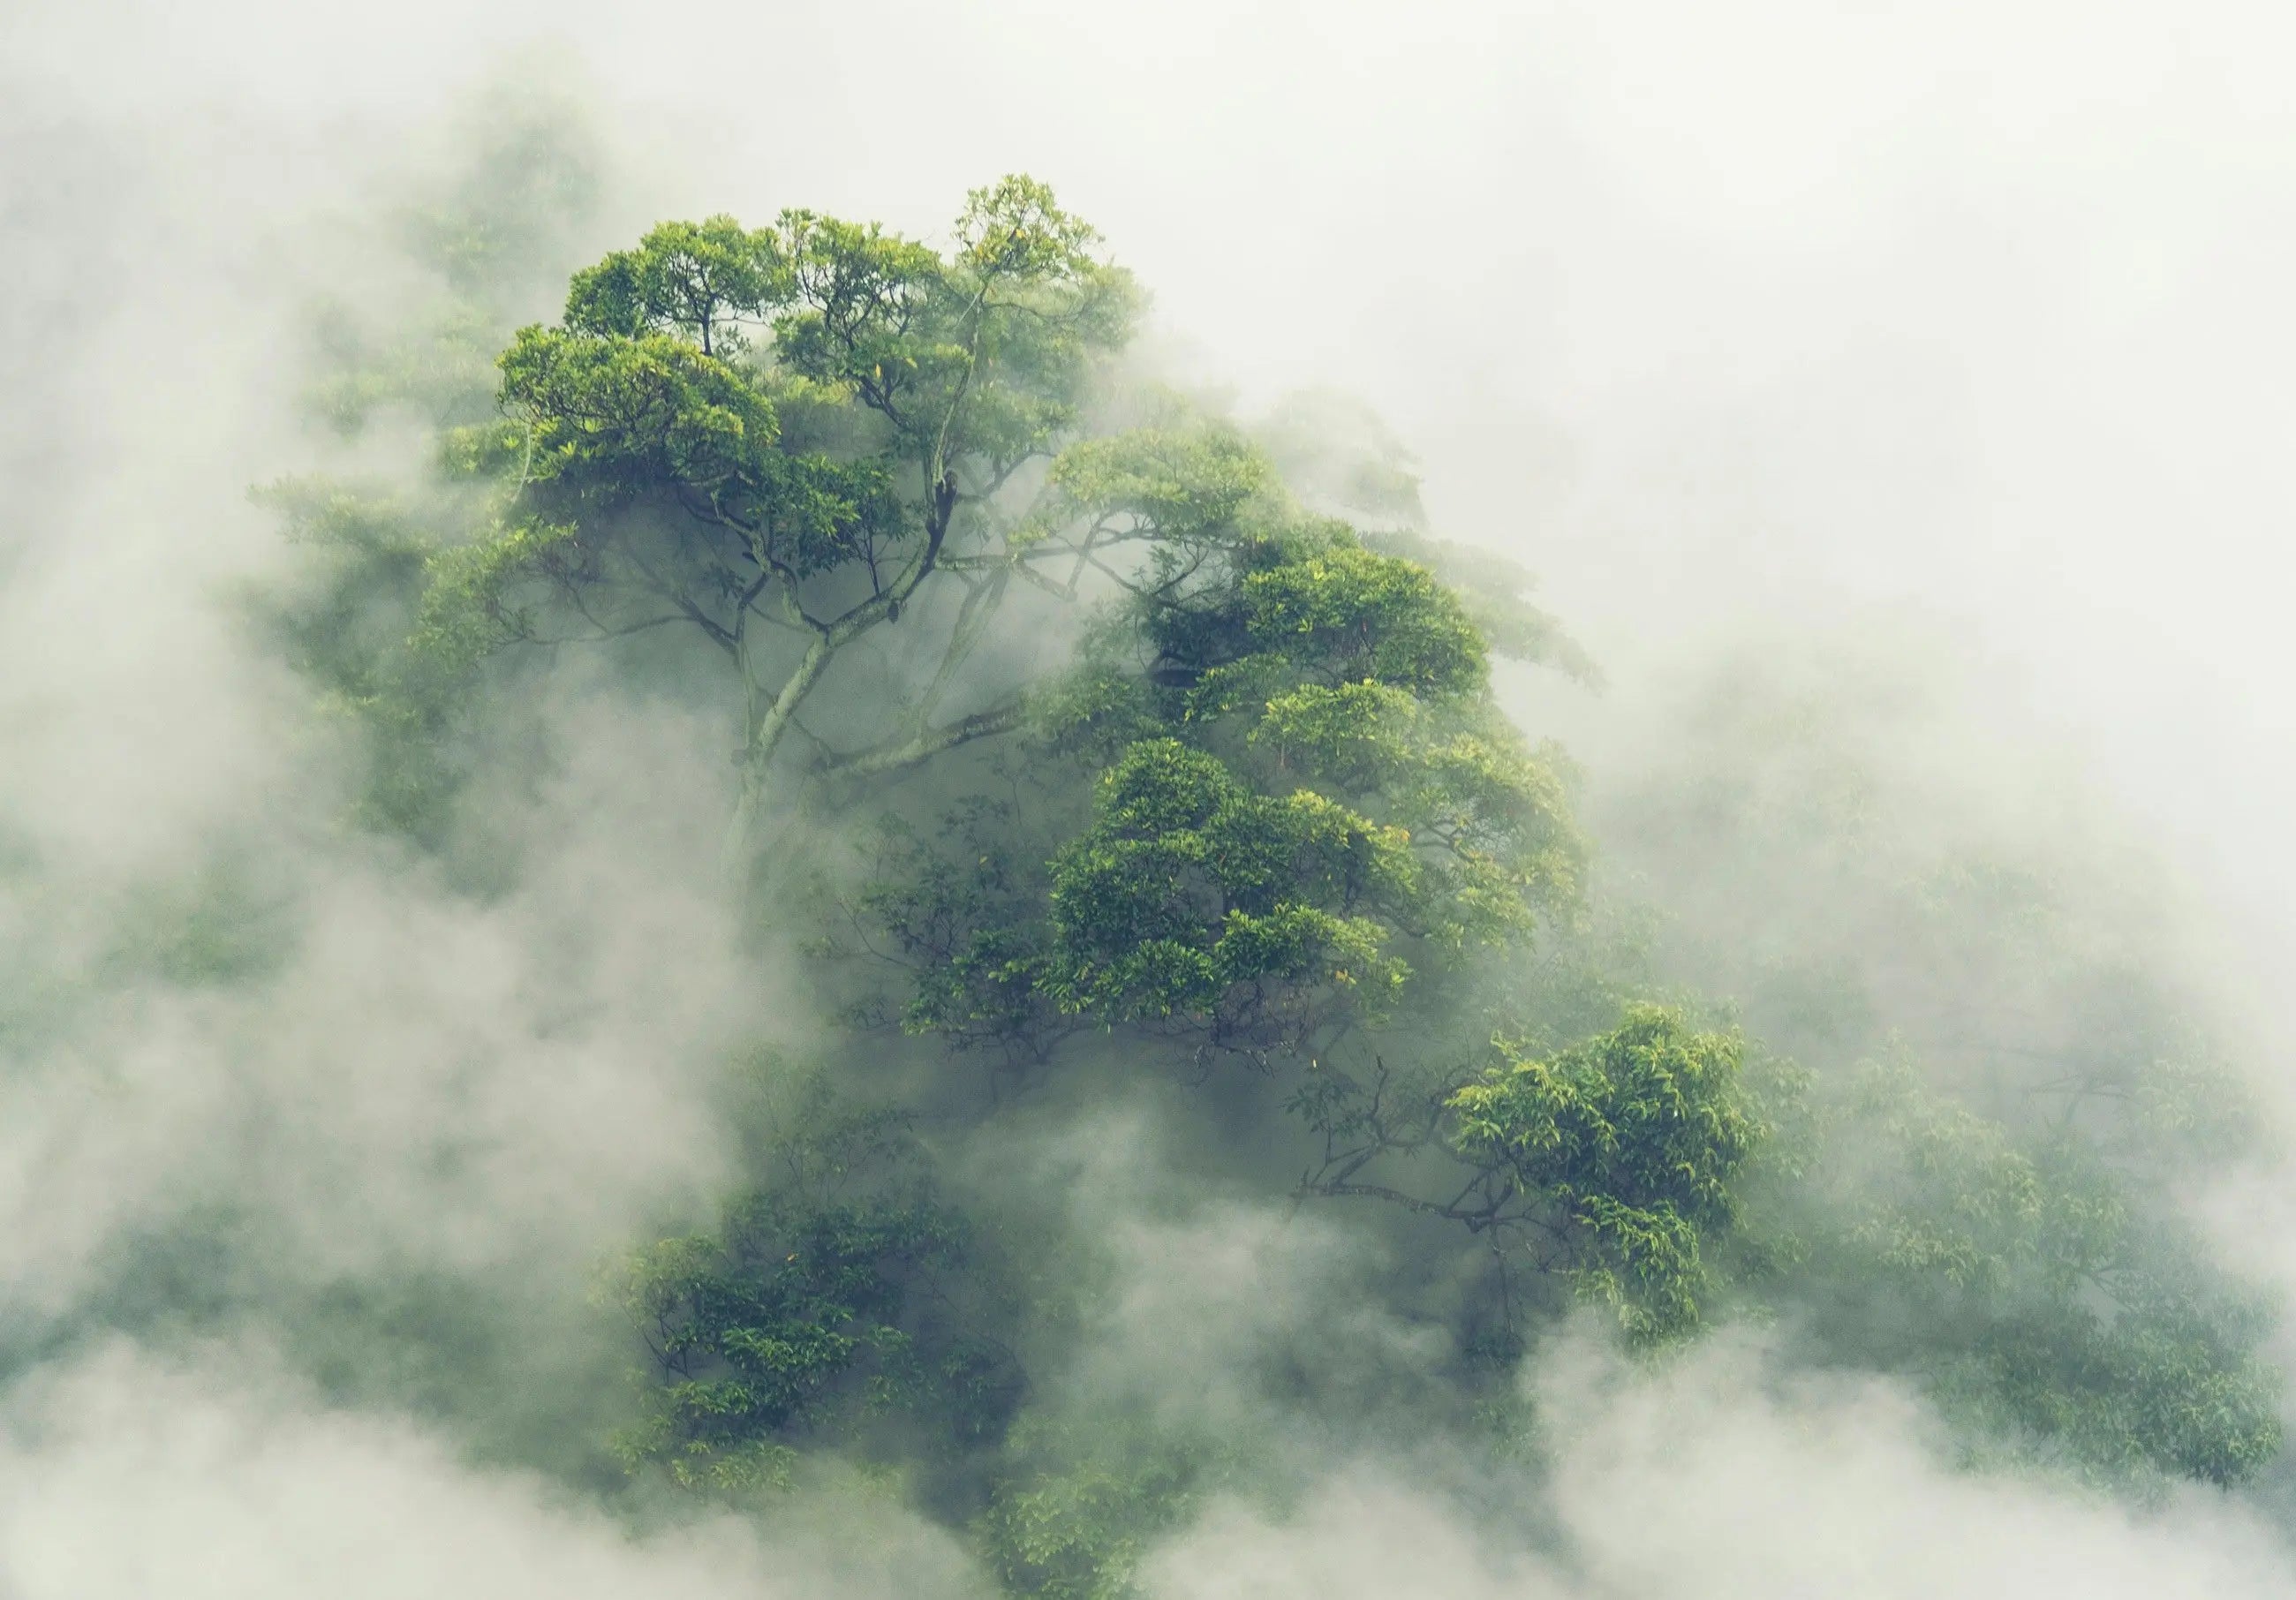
(1215, 784)
(785, 439)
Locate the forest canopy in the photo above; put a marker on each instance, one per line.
(1090, 745)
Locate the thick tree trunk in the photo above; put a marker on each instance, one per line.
(767, 732)
(765, 737)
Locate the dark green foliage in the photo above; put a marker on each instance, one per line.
(762, 1330)
(1075, 1523)
(821, 1300)
(1190, 895)
(1304, 785)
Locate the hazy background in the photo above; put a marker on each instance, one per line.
(1979, 309)
(1765, 322)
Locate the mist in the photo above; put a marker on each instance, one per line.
(1885, 402)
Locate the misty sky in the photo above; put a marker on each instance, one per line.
(1703, 309)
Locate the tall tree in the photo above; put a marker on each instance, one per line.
(788, 439)
(1266, 821)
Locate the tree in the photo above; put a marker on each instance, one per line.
(1262, 823)
(1303, 797)
(2041, 1288)
(2011, 1087)
(1617, 1160)
(832, 1293)
(788, 439)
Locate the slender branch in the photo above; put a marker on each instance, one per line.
(604, 633)
(982, 601)
(1410, 1203)
(670, 592)
(927, 744)
(749, 598)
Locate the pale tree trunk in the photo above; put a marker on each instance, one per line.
(768, 729)
(765, 736)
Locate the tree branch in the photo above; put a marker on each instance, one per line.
(926, 745)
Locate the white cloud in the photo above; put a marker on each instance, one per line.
(124, 1476)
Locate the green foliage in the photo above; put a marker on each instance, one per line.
(487, 240)
(1994, 1212)
(782, 439)
(1075, 1526)
(469, 599)
(1349, 615)
(1189, 483)
(215, 929)
(2045, 1296)
(618, 417)
(1491, 590)
(1634, 1138)
(1189, 891)
(387, 658)
(1268, 811)
(697, 281)
(821, 1300)
(1308, 798)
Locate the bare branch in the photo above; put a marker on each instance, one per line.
(927, 744)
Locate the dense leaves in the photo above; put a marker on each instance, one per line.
(1633, 1139)
(784, 439)
(1075, 1524)
(818, 1303)
(1179, 779)
(2041, 1289)
(1188, 887)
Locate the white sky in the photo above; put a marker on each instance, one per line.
(1703, 309)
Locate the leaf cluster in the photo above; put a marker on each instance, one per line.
(2044, 1292)
(1634, 1139)
(822, 1299)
